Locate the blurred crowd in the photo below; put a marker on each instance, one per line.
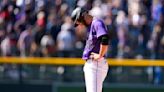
(43, 28)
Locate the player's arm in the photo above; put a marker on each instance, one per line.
(103, 47)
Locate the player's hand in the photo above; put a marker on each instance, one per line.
(95, 56)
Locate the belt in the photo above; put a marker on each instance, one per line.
(102, 58)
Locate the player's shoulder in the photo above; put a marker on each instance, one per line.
(97, 21)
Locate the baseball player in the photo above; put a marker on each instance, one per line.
(96, 66)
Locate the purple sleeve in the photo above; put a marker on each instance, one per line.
(100, 28)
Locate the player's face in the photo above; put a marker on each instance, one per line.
(77, 23)
(87, 20)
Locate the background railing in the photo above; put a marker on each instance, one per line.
(79, 61)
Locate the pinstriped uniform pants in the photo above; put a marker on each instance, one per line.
(95, 73)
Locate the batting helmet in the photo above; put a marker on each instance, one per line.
(77, 15)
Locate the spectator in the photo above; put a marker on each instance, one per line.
(25, 41)
(65, 39)
(47, 45)
(6, 47)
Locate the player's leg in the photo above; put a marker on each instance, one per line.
(89, 75)
(95, 73)
(101, 74)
